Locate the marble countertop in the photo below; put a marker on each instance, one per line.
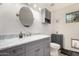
(8, 43)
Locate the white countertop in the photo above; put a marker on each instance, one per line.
(7, 43)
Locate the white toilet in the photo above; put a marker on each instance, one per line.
(54, 49)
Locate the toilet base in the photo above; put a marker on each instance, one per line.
(54, 53)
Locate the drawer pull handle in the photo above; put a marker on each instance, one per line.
(14, 51)
(37, 50)
(17, 50)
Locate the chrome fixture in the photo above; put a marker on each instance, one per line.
(20, 35)
(28, 34)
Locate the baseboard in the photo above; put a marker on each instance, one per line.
(69, 52)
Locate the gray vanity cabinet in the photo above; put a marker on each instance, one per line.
(39, 47)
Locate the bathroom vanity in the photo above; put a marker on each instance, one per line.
(36, 45)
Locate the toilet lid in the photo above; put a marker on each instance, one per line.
(54, 45)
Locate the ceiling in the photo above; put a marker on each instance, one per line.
(61, 5)
(48, 5)
(42, 5)
(39, 5)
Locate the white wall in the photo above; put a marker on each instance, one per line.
(69, 30)
(10, 24)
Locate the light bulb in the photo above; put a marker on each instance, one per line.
(35, 5)
(39, 9)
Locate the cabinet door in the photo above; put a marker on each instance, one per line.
(5, 52)
(18, 50)
(13, 51)
(46, 47)
(38, 51)
(22, 54)
(35, 48)
(46, 50)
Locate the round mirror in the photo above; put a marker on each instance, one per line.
(26, 16)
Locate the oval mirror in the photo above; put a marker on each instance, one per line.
(26, 16)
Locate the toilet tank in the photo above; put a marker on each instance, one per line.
(57, 38)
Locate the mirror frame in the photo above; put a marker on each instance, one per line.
(24, 20)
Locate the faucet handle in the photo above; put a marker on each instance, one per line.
(28, 34)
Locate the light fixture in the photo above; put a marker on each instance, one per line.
(35, 5)
(39, 9)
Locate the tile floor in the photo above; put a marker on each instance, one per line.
(60, 54)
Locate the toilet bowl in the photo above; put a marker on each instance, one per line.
(54, 49)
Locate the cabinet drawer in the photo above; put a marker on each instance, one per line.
(38, 51)
(33, 45)
(4, 52)
(18, 50)
(14, 50)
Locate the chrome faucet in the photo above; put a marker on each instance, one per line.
(20, 35)
(28, 34)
